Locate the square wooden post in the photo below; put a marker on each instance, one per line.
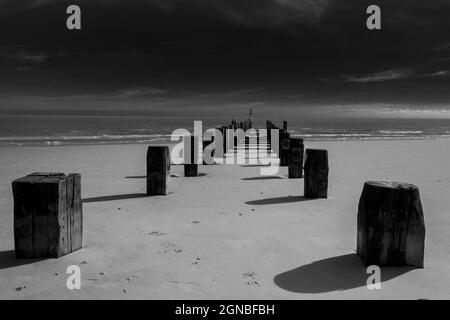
(191, 156)
(48, 215)
(158, 170)
(296, 150)
(284, 148)
(316, 173)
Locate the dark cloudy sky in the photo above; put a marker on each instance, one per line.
(163, 54)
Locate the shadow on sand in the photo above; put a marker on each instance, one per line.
(278, 200)
(254, 165)
(201, 174)
(333, 274)
(262, 178)
(114, 197)
(8, 260)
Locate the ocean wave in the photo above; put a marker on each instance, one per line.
(83, 139)
(385, 135)
(75, 139)
(401, 132)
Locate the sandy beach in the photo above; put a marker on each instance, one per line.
(229, 233)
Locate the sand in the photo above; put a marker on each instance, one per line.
(230, 233)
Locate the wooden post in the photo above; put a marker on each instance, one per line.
(391, 228)
(285, 129)
(284, 148)
(296, 150)
(224, 140)
(316, 173)
(158, 170)
(191, 156)
(268, 129)
(48, 215)
(247, 143)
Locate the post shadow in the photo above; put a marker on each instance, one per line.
(200, 174)
(8, 260)
(332, 274)
(262, 178)
(278, 200)
(254, 165)
(136, 177)
(114, 197)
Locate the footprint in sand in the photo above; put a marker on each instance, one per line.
(131, 279)
(196, 262)
(99, 276)
(18, 289)
(251, 279)
(168, 246)
(157, 233)
(195, 221)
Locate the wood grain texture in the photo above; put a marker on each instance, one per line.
(316, 173)
(295, 159)
(47, 215)
(191, 156)
(391, 227)
(284, 148)
(158, 170)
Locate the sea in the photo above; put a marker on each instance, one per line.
(71, 129)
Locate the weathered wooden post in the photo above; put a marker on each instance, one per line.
(391, 227)
(284, 148)
(48, 215)
(285, 129)
(296, 150)
(191, 156)
(224, 139)
(158, 170)
(316, 173)
(247, 143)
(268, 129)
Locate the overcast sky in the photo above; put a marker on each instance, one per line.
(169, 53)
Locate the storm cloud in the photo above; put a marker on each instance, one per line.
(294, 51)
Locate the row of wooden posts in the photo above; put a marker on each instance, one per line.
(48, 219)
